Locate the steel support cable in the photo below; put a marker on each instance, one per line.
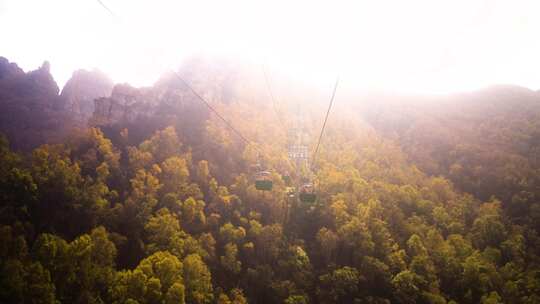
(209, 106)
(107, 8)
(324, 124)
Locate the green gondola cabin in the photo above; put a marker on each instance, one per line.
(287, 179)
(263, 181)
(307, 193)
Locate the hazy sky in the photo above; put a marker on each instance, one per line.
(424, 46)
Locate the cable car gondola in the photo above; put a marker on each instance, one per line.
(263, 181)
(307, 193)
(286, 178)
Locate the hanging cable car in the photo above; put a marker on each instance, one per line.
(286, 178)
(307, 193)
(263, 181)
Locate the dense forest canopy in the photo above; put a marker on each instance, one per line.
(152, 199)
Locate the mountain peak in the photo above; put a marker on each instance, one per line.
(82, 88)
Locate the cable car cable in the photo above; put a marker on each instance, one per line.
(107, 8)
(207, 104)
(325, 120)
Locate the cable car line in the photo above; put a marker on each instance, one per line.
(207, 104)
(107, 8)
(325, 120)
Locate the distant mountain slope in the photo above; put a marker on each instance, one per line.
(487, 142)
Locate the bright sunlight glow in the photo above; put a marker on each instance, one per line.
(424, 46)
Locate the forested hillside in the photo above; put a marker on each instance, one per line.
(487, 142)
(154, 201)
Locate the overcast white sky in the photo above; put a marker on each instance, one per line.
(424, 46)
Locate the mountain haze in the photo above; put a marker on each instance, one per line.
(115, 194)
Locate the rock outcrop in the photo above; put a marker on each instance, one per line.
(125, 105)
(144, 110)
(82, 89)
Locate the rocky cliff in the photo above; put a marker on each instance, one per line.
(144, 110)
(82, 89)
